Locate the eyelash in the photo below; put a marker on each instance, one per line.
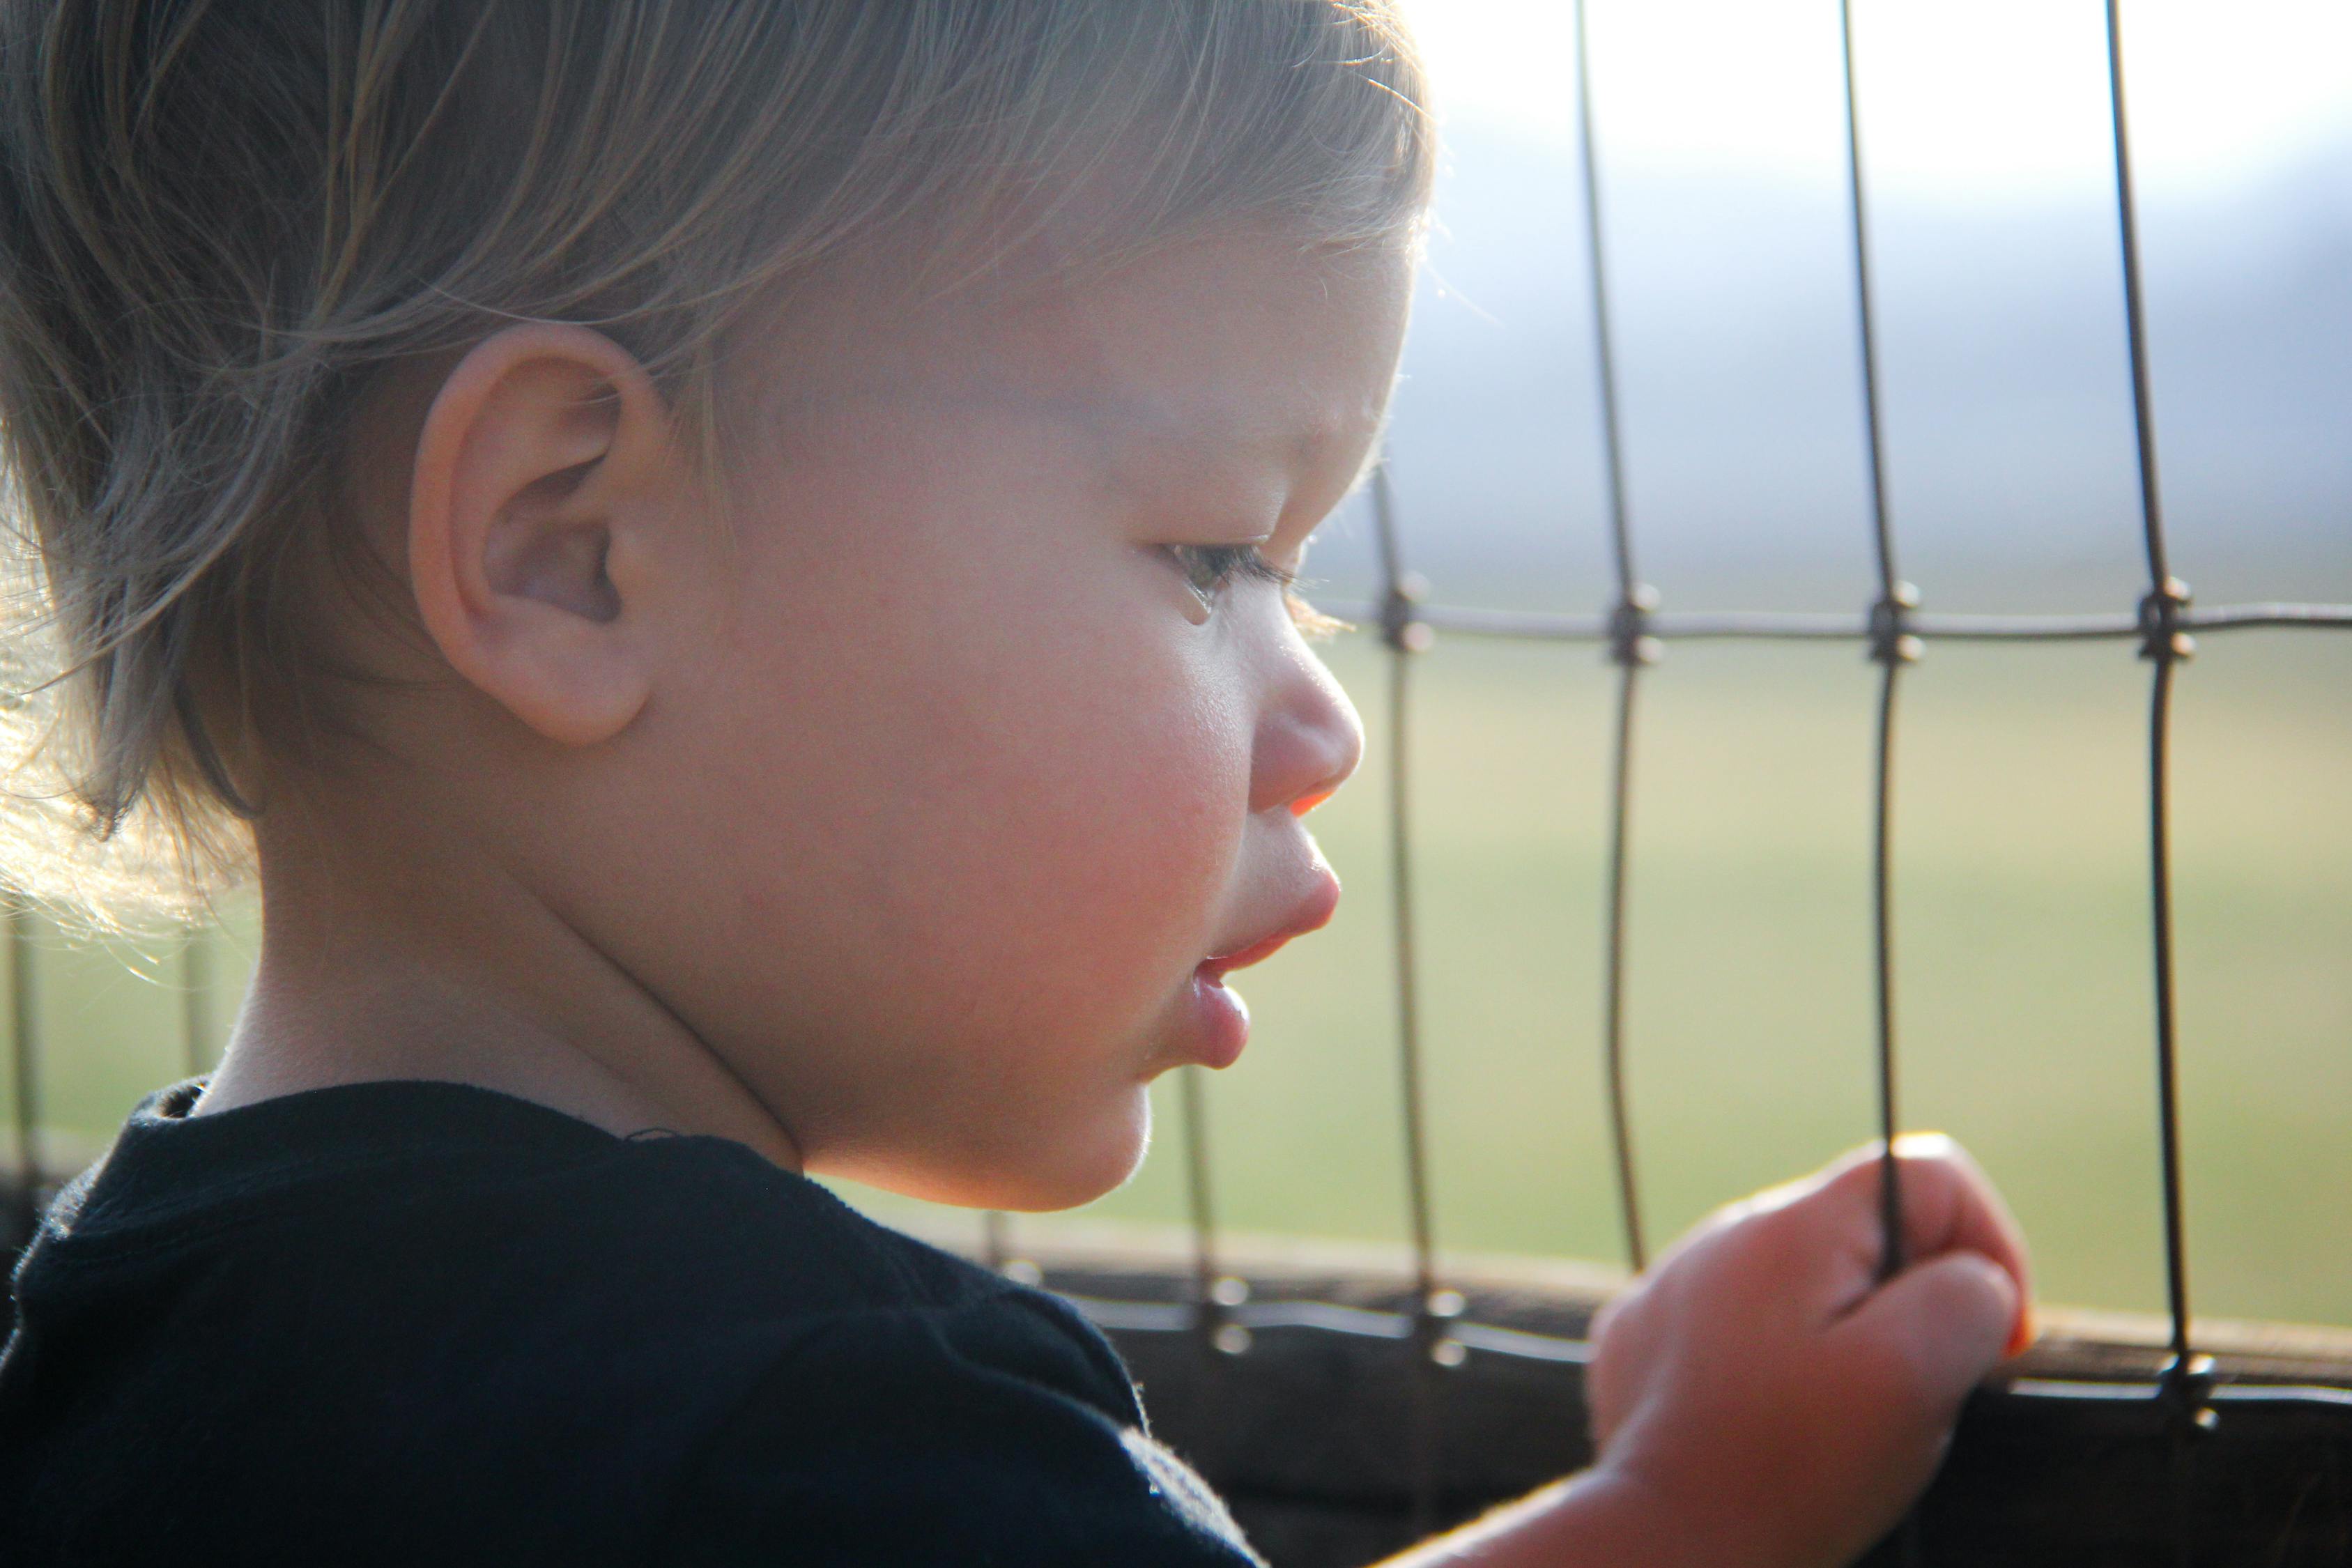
(1210, 569)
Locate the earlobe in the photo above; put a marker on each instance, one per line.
(541, 471)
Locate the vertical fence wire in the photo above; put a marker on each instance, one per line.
(2186, 1382)
(1199, 1201)
(996, 1242)
(195, 1003)
(1892, 647)
(1405, 635)
(1882, 899)
(1613, 969)
(23, 1058)
(2176, 1268)
(1629, 648)
(1612, 448)
(2165, 645)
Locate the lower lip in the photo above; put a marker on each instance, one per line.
(1220, 1021)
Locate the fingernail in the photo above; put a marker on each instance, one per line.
(2028, 1331)
(1924, 1145)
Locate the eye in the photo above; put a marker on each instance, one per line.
(1210, 569)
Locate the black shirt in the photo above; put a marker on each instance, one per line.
(422, 1323)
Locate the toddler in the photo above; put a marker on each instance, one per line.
(728, 565)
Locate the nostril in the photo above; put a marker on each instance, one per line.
(1307, 803)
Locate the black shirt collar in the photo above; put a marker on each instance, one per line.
(166, 1165)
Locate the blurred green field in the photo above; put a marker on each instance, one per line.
(2022, 946)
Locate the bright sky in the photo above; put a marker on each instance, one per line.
(1961, 96)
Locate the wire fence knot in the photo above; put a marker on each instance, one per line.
(1630, 642)
(1432, 1328)
(2162, 615)
(1213, 1313)
(2185, 1389)
(1890, 639)
(1400, 628)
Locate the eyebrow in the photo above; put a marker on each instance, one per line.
(1295, 448)
(1102, 414)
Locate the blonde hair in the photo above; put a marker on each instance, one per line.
(220, 218)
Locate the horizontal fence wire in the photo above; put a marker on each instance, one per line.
(1855, 626)
(1136, 1317)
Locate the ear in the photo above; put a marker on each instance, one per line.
(544, 475)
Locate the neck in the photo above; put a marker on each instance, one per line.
(438, 960)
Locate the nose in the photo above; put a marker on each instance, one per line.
(1309, 739)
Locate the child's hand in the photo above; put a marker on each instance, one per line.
(1768, 1397)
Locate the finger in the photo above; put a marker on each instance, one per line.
(1945, 1322)
(1949, 1203)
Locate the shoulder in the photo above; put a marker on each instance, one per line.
(591, 1349)
(911, 1406)
(997, 1430)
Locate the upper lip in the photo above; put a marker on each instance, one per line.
(1312, 912)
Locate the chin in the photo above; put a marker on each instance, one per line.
(1044, 1173)
(1076, 1170)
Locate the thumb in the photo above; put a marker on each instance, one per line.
(1949, 1319)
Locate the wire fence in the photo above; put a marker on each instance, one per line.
(1891, 631)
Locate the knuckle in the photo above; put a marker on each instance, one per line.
(1785, 1238)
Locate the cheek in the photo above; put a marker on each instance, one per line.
(1086, 831)
(1017, 808)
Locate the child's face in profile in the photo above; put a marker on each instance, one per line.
(984, 763)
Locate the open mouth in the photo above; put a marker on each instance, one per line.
(1215, 970)
(1312, 914)
(1220, 1027)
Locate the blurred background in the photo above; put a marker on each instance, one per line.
(2021, 914)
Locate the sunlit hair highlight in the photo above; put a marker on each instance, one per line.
(221, 219)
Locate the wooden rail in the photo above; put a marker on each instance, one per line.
(1311, 1418)
(2068, 1460)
